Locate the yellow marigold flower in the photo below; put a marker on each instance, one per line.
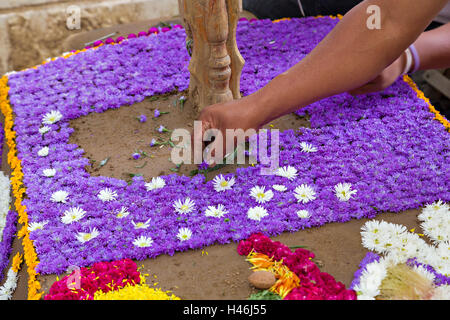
(17, 261)
(136, 292)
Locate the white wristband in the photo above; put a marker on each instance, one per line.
(409, 61)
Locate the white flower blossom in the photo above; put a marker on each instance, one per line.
(304, 193)
(183, 207)
(343, 191)
(260, 194)
(59, 196)
(143, 242)
(156, 183)
(307, 147)
(43, 152)
(87, 236)
(184, 234)
(216, 212)
(107, 195)
(256, 213)
(72, 215)
(222, 184)
(287, 172)
(52, 117)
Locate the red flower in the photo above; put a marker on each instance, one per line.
(244, 248)
(102, 275)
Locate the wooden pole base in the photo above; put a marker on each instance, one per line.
(216, 64)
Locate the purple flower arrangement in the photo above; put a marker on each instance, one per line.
(439, 280)
(386, 145)
(6, 241)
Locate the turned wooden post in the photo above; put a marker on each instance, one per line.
(216, 63)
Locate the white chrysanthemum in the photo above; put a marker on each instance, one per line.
(304, 193)
(216, 212)
(10, 285)
(87, 236)
(307, 147)
(183, 207)
(344, 191)
(430, 209)
(424, 272)
(260, 194)
(222, 184)
(370, 281)
(156, 183)
(143, 242)
(123, 212)
(107, 195)
(184, 234)
(59, 196)
(256, 213)
(43, 152)
(287, 172)
(304, 214)
(72, 215)
(279, 187)
(49, 173)
(141, 225)
(44, 129)
(33, 226)
(383, 237)
(52, 117)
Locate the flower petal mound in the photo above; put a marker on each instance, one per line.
(386, 146)
(298, 277)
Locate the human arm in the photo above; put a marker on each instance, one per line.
(433, 48)
(350, 56)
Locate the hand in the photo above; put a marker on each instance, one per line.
(387, 77)
(236, 114)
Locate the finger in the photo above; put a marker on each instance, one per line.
(197, 140)
(213, 153)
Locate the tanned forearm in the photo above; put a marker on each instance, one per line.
(350, 56)
(433, 48)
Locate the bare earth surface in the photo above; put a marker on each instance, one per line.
(117, 134)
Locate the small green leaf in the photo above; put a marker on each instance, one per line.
(140, 167)
(297, 247)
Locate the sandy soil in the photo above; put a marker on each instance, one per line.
(117, 134)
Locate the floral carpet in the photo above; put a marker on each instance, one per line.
(362, 155)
